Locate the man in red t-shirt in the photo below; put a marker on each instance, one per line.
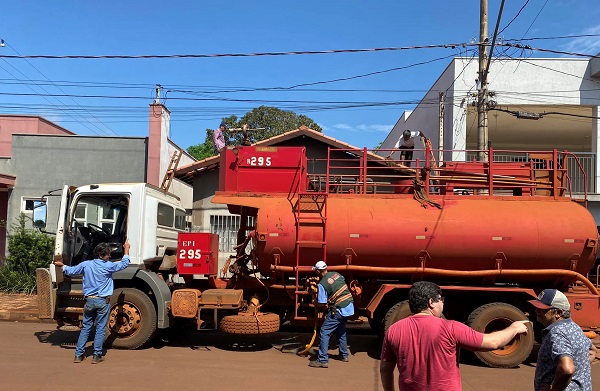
(424, 345)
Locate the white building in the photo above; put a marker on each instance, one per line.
(570, 88)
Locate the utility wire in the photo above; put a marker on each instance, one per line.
(534, 19)
(44, 96)
(527, 47)
(166, 56)
(40, 72)
(551, 38)
(515, 17)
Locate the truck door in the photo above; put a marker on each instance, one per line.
(61, 244)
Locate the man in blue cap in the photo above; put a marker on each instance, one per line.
(334, 294)
(219, 139)
(566, 353)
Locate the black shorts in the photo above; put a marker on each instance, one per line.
(406, 153)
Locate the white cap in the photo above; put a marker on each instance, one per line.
(320, 266)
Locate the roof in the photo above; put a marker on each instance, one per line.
(42, 119)
(186, 173)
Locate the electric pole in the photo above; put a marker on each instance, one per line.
(482, 120)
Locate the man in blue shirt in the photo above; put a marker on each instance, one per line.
(334, 294)
(565, 353)
(98, 287)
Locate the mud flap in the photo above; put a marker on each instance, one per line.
(46, 294)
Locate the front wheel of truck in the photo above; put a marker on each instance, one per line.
(132, 319)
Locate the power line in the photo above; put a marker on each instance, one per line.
(258, 54)
(40, 72)
(515, 17)
(551, 38)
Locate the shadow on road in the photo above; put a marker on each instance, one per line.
(64, 339)
(288, 340)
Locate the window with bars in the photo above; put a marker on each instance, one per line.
(227, 227)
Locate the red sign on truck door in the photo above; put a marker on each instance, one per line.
(198, 253)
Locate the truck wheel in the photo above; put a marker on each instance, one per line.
(497, 316)
(262, 323)
(397, 312)
(132, 319)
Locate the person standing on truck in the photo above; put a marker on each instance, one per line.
(334, 294)
(218, 138)
(406, 145)
(98, 287)
(565, 354)
(424, 346)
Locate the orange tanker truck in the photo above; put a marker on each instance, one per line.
(491, 234)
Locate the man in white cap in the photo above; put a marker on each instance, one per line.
(566, 353)
(334, 294)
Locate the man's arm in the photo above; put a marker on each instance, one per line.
(69, 270)
(498, 339)
(321, 296)
(386, 372)
(123, 263)
(564, 372)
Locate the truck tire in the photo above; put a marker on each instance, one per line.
(497, 316)
(132, 319)
(262, 323)
(398, 311)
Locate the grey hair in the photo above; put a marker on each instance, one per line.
(566, 314)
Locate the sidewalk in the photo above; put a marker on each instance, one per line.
(19, 308)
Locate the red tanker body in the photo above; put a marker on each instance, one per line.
(465, 234)
(491, 234)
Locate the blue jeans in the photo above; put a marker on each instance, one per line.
(95, 309)
(333, 323)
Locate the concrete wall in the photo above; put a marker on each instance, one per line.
(537, 85)
(44, 162)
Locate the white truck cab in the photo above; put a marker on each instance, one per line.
(151, 220)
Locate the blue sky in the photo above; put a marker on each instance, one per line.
(199, 92)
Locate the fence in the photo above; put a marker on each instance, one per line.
(227, 228)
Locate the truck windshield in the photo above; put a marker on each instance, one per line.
(98, 219)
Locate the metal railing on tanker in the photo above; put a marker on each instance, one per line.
(360, 171)
(578, 185)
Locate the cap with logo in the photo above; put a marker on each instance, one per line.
(551, 298)
(320, 266)
(223, 124)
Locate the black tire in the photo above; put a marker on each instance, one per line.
(132, 319)
(497, 316)
(262, 323)
(398, 312)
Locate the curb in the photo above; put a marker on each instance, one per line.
(22, 316)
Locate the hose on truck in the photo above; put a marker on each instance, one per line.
(312, 341)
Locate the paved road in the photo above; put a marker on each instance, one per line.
(35, 356)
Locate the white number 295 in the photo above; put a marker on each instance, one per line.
(259, 161)
(190, 254)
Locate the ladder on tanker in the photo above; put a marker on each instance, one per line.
(170, 173)
(311, 212)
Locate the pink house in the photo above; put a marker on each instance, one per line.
(18, 124)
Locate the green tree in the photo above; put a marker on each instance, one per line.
(274, 121)
(28, 249)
